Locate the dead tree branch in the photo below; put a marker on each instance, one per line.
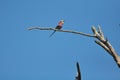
(100, 40)
(68, 31)
(103, 42)
(78, 76)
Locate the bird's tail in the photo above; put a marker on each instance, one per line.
(52, 33)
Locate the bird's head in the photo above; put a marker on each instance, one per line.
(61, 22)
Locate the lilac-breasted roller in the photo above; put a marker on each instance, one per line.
(59, 26)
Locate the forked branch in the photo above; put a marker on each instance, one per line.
(104, 43)
(100, 40)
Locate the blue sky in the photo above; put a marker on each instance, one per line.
(32, 55)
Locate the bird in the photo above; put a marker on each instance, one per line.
(59, 26)
(78, 77)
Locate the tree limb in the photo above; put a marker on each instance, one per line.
(68, 31)
(106, 45)
(98, 34)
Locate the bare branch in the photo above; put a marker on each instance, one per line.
(103, 46)
(106, 45)
(111, 51)
(78, 77)
(100, 31)
(95, 31)
(98, 34)
(68, 31)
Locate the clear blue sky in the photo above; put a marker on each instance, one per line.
(32, 55)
